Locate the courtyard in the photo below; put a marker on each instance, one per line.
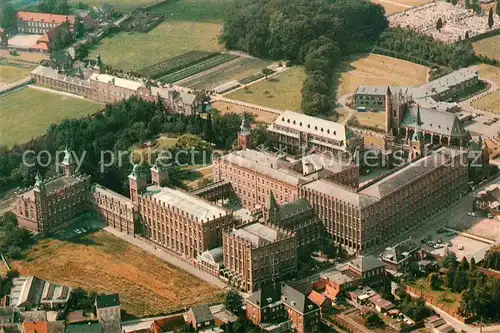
(28, 112)
(282, 91)
(104, 263)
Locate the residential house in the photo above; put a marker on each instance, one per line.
(435, 324)
(43, 327)
(398, 258)
(367, 267)
(322, 302)
(304, 314)
(109, 312)
(200, 317)
(338, 281)
(381, 305)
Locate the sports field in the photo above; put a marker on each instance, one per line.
(11, 73)
(282, 91)
(378, 70)
(132, 51)
(488, 47)
(490, 103)
(27, 113)
(104, 263)
(233, 71)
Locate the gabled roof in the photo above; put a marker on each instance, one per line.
(202, 313)
(340, 193)
(317, 298)
(106, 301)
(89, 327)
(294, 207)
(43, 17)
(296, 300)
(265, 296)
(366, 263)
(444, 123)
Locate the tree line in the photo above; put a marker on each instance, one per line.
(310, 32)
(118, 127)
(13, 240)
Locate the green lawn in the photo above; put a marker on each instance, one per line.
(235, 71)
(27, 113)
(118, 5)
(489, 47)
(133, 51)
(283, 90)
(195, 10)
(490, 103)
(443, 296)
(10, 73)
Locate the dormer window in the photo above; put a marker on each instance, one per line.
(283, 119)
(334, 132)
(294, 122)
(316, 128)
(322, 129)
(308, 126)
(300, 124)
(288, 121)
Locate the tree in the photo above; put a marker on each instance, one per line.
(498, 7)
(467, 35)
(439, 24)
(233, 302)
(204, 99)
(490, 18)
(79, 28)
(372, 320)
(454, 2)
(267, 71)
(8, 20)
(449, 259)
(434, 281)
(207, 129)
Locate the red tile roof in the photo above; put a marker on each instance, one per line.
(43, 17)
(36, 327)
(317, 298)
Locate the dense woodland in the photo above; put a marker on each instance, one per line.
(315, 33)
(118, 127)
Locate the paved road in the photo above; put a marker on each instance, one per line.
(168, 257)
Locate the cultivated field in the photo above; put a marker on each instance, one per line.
(490, 103)
(104, 263)
(27, 113)
(281, 91)
(234, 71)
(10, 74)
(488, 47)
(378, 70)
(133, 51)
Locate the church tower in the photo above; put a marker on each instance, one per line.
(273, 209)
(388, 112)
(159, 173)
(137, 183)
(68, 163)
(244, 135)
(417, 140)
(40, 202)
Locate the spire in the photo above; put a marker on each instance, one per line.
(272, 205)
(135, 172)
(68, 158)
(388, 92)
(39, 183)
(243, 126)
(419, 118)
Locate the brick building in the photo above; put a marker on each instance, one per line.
(107, 88)
(488, 200)
(383, 208)
(256, 254)
(282, 307)
(298, 132)
(51, 203)
(398, 257)
(114, 209)
(177, 220)
(41, 23)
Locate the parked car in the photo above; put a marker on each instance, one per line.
(441, 231)
(490, 216)
(471, 214)
(450, 244)
(431, 243)
(450, 233)
(438, 246)
(440, 240)
(78, 231)
(460, 247)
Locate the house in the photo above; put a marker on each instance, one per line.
(265, 306)
(337, 281)
(398, 257)
(367, 267)
(29, 292)
(304, 314)
(381, 305)
(109, 312)
(322, 302)
(223, 316)
(435, 324)
(200, 317)
(43, 327)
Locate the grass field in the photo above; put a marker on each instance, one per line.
(104, 263)
(10, 74)
(24, 56)
(283, 90)
(378, 70)
(133, 51)
(490, 103)
(235, 71)
(490, 72)
(27, 113)
(395, 6)
(446, 298)
(261, 116)
(489, 47)
(195, 10)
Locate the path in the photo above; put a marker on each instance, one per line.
(56, 91)
(168, 257)
(14, 86)
(457, 324)
(467, 104)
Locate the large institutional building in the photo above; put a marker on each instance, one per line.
(107, 88)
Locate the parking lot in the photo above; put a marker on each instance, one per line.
(461, 245)
(79, 227)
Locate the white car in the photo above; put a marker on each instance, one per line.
(78, 231)
(438, 246)
(471, 214)
(460, 247)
